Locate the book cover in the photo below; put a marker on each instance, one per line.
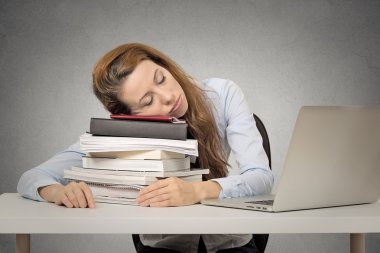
(137, 165)
(177, 173)
(115, 200)
(118, 179)
(108, 179)
(115, 191)
(91, 143)
(137, 154)
(148, 118)
(138, 129)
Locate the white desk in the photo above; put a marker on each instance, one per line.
(24, 217)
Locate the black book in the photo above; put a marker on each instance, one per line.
(138, 129)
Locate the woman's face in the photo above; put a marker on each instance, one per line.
(151, 90)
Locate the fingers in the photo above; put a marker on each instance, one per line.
(167, 192)
(151, 194)
(76, 195)
(157, 200)
(88, 194)
(71, 196)
(163, 203)
(65, 201)
(158, 188)
(157, 185)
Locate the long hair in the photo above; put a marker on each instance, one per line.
(117, 64)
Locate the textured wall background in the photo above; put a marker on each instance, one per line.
(283, 54)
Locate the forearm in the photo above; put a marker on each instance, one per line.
(31, 181)
(206, 190)
(49, 192)
(251, 183)
(49, 173)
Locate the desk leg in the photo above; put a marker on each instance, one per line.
(357, 243)
(22, 243)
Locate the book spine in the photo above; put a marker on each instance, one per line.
(116, 186)
(138, 129)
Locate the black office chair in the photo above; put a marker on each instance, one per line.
(260, 240)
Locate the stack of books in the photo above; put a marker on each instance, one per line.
(125, 155)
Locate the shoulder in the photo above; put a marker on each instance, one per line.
(225, 98)
(219, 84)
(219, 88)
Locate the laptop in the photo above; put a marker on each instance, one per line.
(333, 159)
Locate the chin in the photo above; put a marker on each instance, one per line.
(181, 114)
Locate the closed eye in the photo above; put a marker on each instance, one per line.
(159, 77)
(162, 80)
(148, 101)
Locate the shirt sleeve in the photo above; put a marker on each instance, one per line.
(245, 141)
(49, 172)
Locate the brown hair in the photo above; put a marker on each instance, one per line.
(115, 65)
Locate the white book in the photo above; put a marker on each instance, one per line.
(118, 179)
(136, 165)
(115, 191)
(138, 154)
(113, 200)
(179, 173)
(90, 143)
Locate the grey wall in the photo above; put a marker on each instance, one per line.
(283, 54)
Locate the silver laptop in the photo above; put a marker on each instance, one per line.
(333, 160)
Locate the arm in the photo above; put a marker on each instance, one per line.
(176, 192)
(46, 183)
(255, 176)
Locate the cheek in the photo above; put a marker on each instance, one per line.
(174, 84)
(185, 105)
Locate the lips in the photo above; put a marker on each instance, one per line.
(176, 105)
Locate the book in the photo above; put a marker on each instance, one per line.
(115, 191)
(148, 118)
(179, 173)
(91, 143)
(118, 179)
(138, 129)
(137, 154)
(115, 194)
(113, 200)
(136, 165)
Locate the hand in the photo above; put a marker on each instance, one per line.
(168, 192)
(177, 192)
(72, 195)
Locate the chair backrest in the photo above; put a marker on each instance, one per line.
(260, 126)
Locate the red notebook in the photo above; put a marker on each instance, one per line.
(148, 118)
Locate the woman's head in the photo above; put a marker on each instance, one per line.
(138, 79)
(151, 90)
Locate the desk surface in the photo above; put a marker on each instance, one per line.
(19, 215)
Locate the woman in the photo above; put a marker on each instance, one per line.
(137, 79)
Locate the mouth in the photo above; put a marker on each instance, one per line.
(176, 105)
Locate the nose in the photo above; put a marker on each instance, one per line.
(167, 98)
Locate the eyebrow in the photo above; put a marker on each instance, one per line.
(154, 79)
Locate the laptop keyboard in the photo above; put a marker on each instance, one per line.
(261, 202)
